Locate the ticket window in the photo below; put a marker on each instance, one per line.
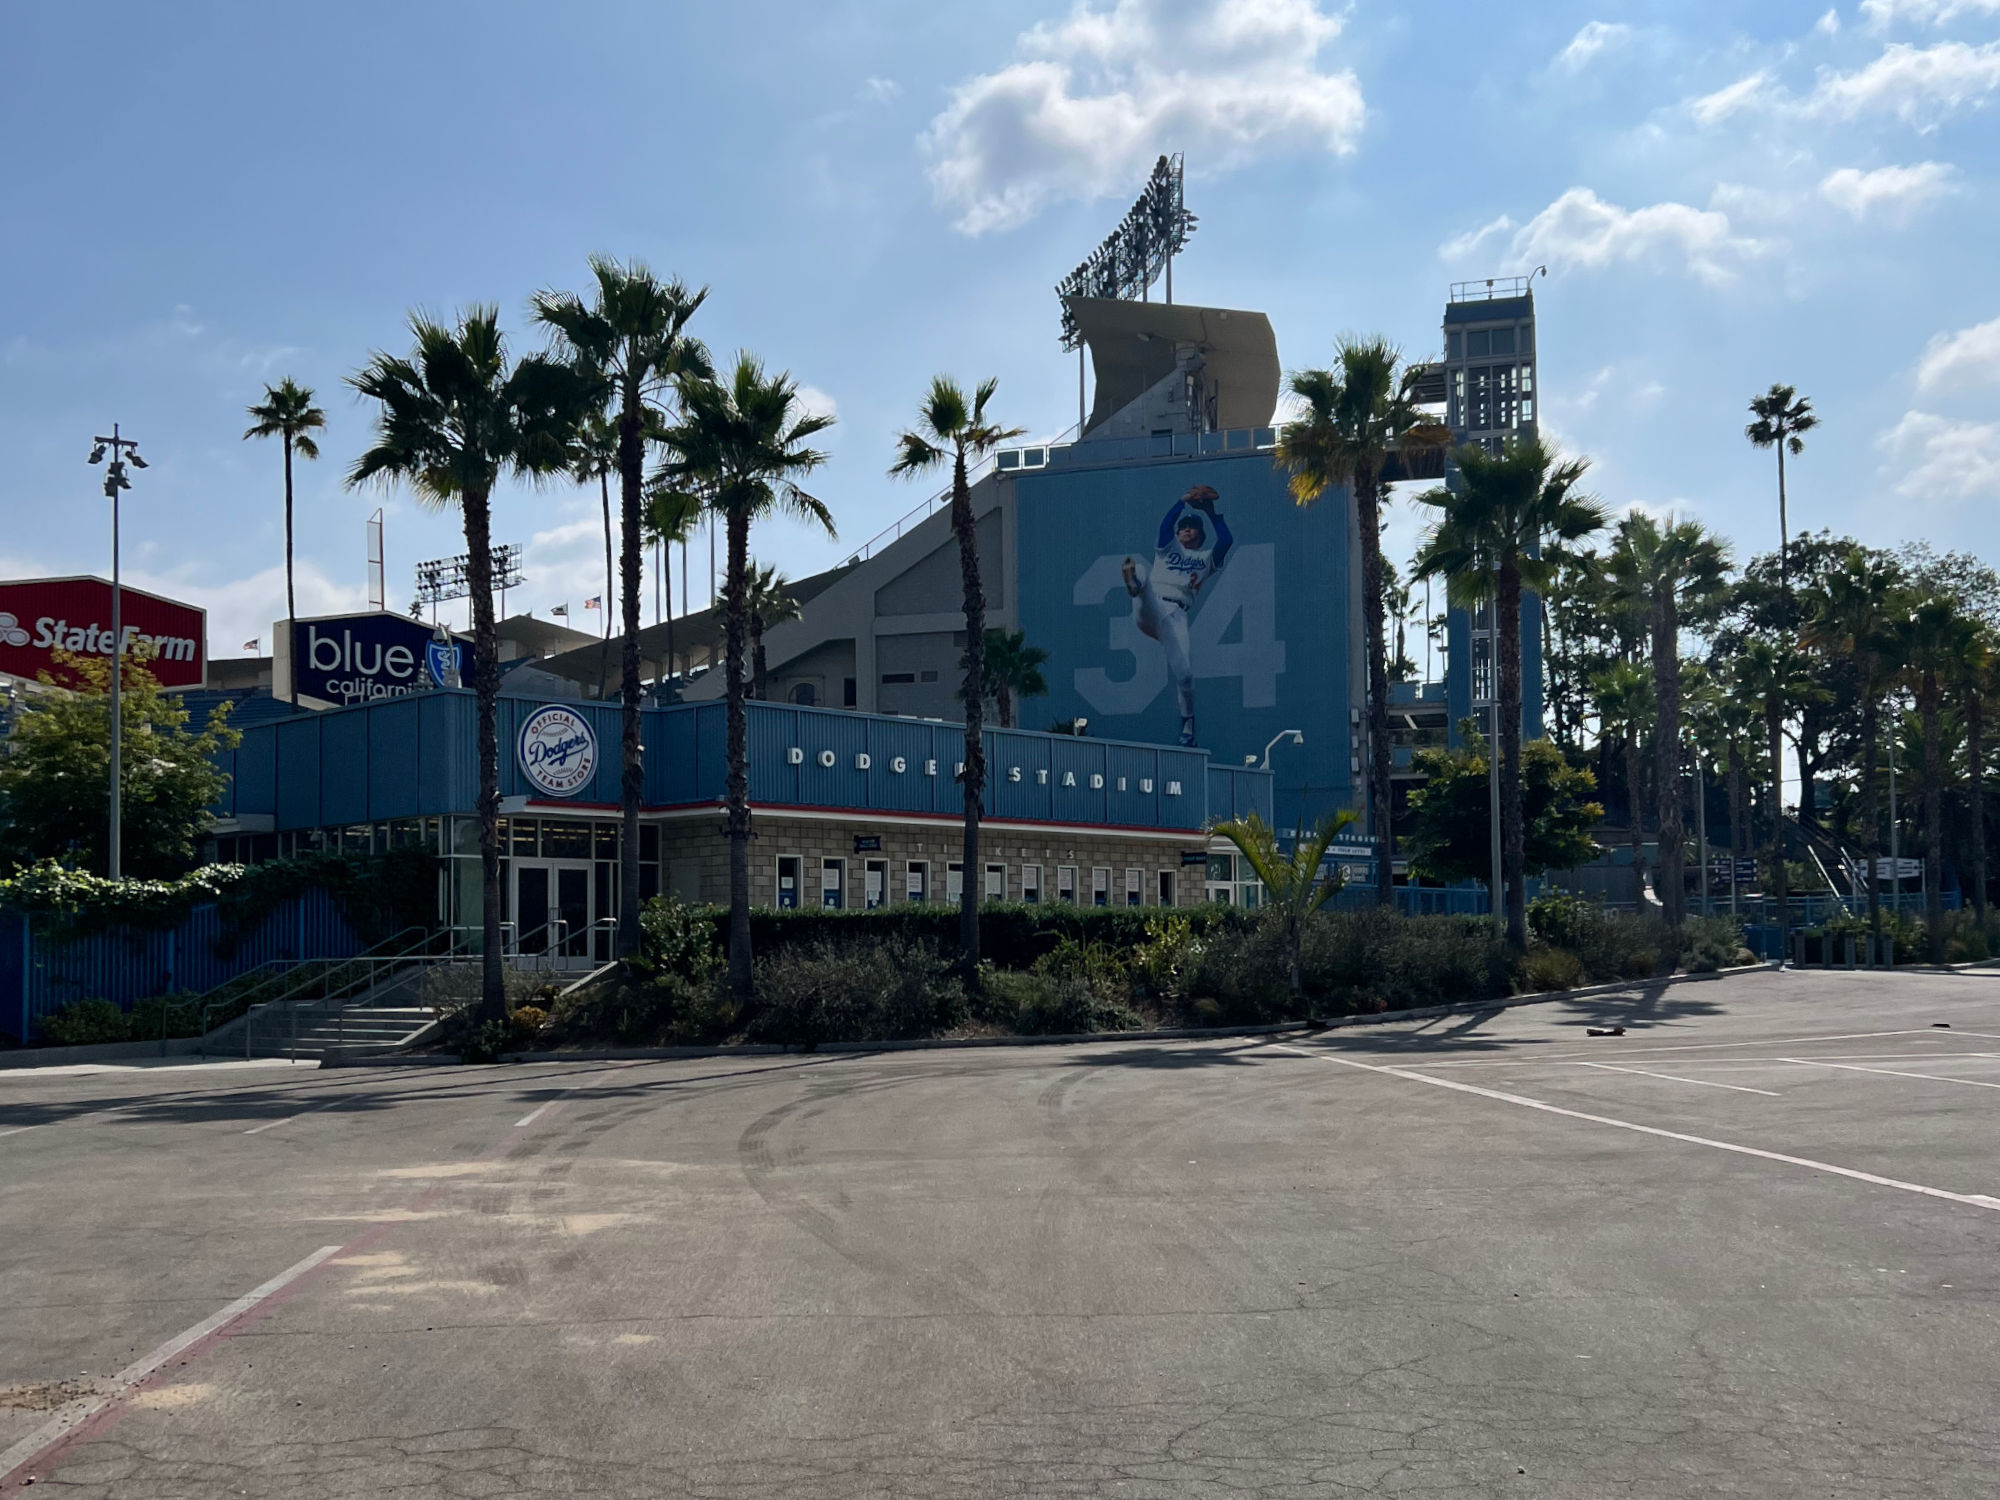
(1066, 883)
(954, 881)
(1100, 887)
(790, 879)
(1167, 888)
(875, 883)
(1135, 886)
(917, 880)
(1031, 884)
(833, 884)
(996, 883)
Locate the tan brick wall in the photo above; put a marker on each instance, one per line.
(695, 854)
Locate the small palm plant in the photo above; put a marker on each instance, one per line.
(287, 412)
(1295, 884)
(768, 596)
(671, 518)
(1013, 672)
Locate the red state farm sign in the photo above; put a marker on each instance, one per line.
(41, 616)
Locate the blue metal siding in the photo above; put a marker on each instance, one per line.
(1128, 770)
(298, 772)
(1009, 752)
(448, 769)
(396, 750)
(343, 749)
(255, 789)
(912, 744)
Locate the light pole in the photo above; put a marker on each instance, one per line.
(123, 450)
(1296, 738)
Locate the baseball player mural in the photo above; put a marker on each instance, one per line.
(1193, 545)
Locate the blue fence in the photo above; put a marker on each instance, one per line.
(39, 975)
(1418, 900)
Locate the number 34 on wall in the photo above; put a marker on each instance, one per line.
(1240, 601)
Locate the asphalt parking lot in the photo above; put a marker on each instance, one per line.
(1747, 1248)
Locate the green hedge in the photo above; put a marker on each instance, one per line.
(1011, 935)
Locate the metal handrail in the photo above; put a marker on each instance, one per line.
(368, 972)
(285, 975)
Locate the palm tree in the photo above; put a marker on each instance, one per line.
(740, 445)
(1664, 571)
(287, 412)
(1293, 884)
(1626, 703)
(1356, 416)
(1783, 417)
(1851, 615)
(1933, 639)
(952, 430)
(1777, 679)
(1724, 726)
(767, 595)
(1013, 671)
(631, 342)
(671, 517)
(596, 457)
(455, 416)
(1977, 677)
(1488, 546)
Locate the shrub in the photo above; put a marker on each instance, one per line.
(1166, 960)
(1611, 945)
(1544, 969)
(1069, 1006)
(1375, 960)
(855, 991)
(527, 1022)
(1710, 943)
(85, 1023)
(679, 939)
(1245, 970)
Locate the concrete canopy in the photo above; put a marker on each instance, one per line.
(1135, 345)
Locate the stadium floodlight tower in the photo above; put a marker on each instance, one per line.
(443, 579)
(1132, 257)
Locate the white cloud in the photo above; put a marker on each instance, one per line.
(1745, 93)
(816, 402)
(244, 608)
(1882, 14)
(878, 91)
(1896, 194)
(1940, 458)
(1581, 231)
(1829, 23)
(1094, 98)
(1919, 85)
(1969, 357)
(1595, 37)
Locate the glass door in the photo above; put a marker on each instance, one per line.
(554, 909)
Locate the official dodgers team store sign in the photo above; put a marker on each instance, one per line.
(557, 749)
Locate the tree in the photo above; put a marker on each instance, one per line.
(287, 412)
(630, 342)
(952, 430)
(740, 446)
(1488, 546)
(1625, 703)
(1013, 672)
(1725, 728)
(1852, 612)
(1774, 676)
(767, 595)
(1977, 678)
(453, 417)
(1451, 817)
(1666, 572)
(671, 517)
(1295, 885)
(55, 800)
(596, 458)
(1933, 640)
(1782, 417)
(1356, 416)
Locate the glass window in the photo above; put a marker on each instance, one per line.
(916, 878)
(520, 837)
(1134, 885)
(1166, 887)
(1221, 867)
(801, 694)
(649, 838)
(404, 833)
(875, 883)
(605, 836)
(1031, 881)
(1065, 883)
(357, 838)
(1100, 886)
(565, 840)
(1503, 343)
(1477, 346)
(1454, 348)
(832, 883)
(954, 879)
(996, 876)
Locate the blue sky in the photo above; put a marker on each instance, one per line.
(203, 197)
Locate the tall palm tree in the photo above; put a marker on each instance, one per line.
(767, 594)
(1776, 677)
(1356, 415)
(952, 430)
(454, 416)
(1782, 417)
(596, 457)
(671, 517)
(1013, 671)
(1488, 545)
(1625, 704)
(287, 412)
(1666, 571)
(631, 342)
(1851, 615)
(1933, 640)
(740, 444)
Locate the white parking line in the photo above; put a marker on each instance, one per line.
(274, 1124)
(534, 1114)
(1973, 1200)
(1698, 1082)
(1813, 1062)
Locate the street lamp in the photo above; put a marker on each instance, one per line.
(123, 450)
(1265, 764)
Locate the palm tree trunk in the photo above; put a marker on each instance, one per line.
(1367, 508)
(1739, 809)
(486, 688)
(667, 580)
(1003, 700)
(1667, 754)
(1636, 835)
(1933, 824)
(757, 657)
(1774, 726)
(736, 631)
(632, 774)
(1513, 844)
(1871, 840)
(975, 713)
(610, 583)
(291, 602)
(1975, 786)
(1784, 533)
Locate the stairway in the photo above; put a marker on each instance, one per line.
(313, 1029)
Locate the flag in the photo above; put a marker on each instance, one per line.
(597, 603)
(250, 645)
(561, 609)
